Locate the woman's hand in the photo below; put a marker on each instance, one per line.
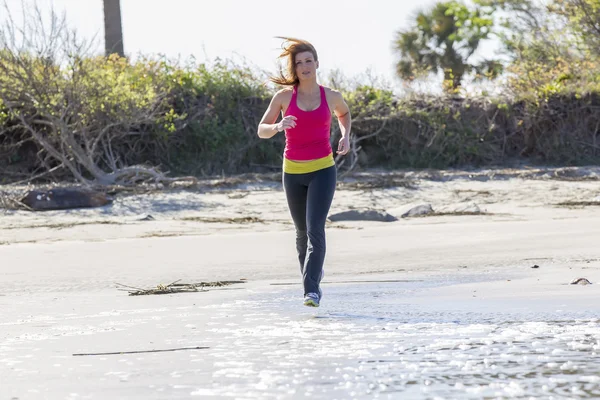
(343, 146)
(287, 122)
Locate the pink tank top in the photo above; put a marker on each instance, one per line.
(309, 140)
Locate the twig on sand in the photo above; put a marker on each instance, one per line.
(130, 287)
(140, 351)
(176, 287)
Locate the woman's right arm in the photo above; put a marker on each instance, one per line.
(267, 128)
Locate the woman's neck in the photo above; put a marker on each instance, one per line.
(308, 87)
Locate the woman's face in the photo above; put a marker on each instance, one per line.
(306, 66)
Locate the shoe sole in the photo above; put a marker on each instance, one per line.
(311, 303)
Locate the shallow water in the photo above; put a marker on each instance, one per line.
(366, 341)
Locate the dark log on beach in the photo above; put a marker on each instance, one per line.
(64, 198)
(362, 215)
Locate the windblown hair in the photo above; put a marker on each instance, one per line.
(292, 47)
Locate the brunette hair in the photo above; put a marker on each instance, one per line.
(291, 47)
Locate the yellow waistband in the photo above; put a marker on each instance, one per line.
(294, 167)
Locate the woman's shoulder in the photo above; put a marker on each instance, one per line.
(284, 94)
(285, 91)
(333, 96)
(331, 92)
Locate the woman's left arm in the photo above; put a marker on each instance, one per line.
(342, 112)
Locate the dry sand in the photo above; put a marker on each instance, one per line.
(58, 269)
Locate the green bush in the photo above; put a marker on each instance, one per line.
(203, 119)
(219, 132)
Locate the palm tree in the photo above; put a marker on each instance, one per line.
(444, 39)
(113, 31)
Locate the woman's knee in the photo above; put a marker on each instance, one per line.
(316, 237)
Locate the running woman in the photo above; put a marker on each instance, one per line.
(309, 171)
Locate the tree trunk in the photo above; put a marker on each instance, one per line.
(113, 31)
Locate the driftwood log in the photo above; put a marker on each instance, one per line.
(64, 198)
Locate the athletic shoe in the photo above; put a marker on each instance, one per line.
(311, 300)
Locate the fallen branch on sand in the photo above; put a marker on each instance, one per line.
(12, 201)
(176, 287)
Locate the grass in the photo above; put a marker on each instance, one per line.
(578, 203)
(451, 213)
(370, 182)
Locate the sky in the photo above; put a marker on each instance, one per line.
(354, 37)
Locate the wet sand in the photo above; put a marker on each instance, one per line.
(59, 296)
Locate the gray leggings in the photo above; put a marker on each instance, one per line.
(309, 198)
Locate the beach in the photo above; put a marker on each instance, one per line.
(419, 307)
